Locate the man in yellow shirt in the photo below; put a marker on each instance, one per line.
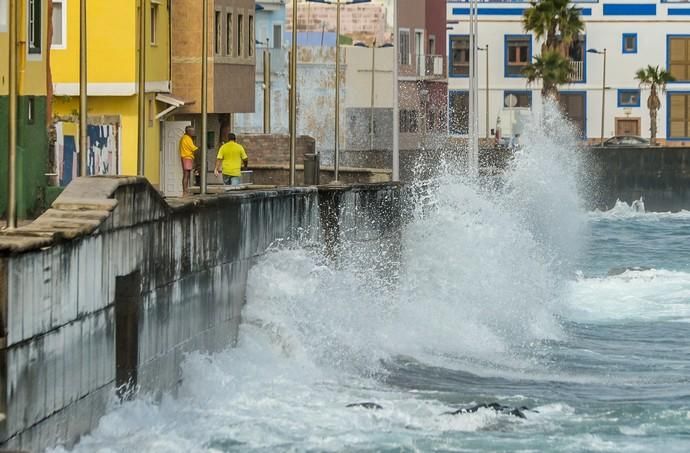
(187, 150)
(231, 159)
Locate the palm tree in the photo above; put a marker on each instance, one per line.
(656, 79)
(558, 24)
(552, 69)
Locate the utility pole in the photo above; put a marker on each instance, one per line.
(12, 135)
(204, 98)
(373, 98)
(141, 138)
(83, 90)
(396, 96)
(336, 161)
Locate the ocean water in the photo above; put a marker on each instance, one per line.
(510, 293)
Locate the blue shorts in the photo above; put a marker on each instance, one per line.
(231, 180)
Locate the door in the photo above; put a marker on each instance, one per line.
(627, 126)
(573, 105)
(171, 168)
(419, 51)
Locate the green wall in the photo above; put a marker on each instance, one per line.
(32, 156)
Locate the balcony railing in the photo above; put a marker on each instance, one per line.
(578, 74)
(431, 66)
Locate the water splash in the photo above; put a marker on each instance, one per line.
(483, 270)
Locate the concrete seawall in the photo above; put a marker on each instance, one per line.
(659, 175)
(109, 292)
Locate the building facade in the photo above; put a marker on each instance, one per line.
(231, 73)
(634, 34)
(422, 72)
(33, 103)
(112, 61)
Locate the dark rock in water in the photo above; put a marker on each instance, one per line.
(514, 411)
(366, 405)
(622, 270)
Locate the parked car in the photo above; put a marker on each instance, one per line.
(627, 141)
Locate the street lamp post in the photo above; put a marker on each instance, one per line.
(474, 104)
(293, 93)
(486, 49)
(603, 91)
(336, 137)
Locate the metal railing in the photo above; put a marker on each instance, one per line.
(578, 71)
(431, 66)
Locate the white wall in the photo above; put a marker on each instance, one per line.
(601, 32)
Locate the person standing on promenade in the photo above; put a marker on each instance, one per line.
(231, 159)
(187, 150)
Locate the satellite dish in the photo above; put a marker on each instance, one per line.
(511, 100)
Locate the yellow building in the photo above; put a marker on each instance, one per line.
(32, 104)
(112, 36)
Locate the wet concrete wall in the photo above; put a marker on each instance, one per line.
(659, 175)
(111, 287)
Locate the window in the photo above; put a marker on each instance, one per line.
(30, 110)
(59, 38)
(629, 42)
(250, 36)
(154, 23)
(679, 57)
(277, 36)
(517, 99)
(518, 53)
(228, 34)
(679, 115)
(240, 34)
(458, 112)
(4, 13)
(628, 98)
(408, 121)
(218, 27)
(432, 45)
(460, 56)
(404, 47)
(577, 55)
(34, 27)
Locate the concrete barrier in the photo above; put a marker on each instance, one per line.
(103, 295)
(660, 175)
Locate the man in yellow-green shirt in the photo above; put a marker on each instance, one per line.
(231, 159)
(187, 150)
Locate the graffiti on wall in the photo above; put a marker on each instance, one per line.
(102, 150)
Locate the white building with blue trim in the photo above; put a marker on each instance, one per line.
(634, 33)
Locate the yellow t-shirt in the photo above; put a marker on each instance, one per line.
(232, 154)
(187, 147)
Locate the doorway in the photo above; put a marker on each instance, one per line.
(574, 105)
(171, 170)
(628, 126)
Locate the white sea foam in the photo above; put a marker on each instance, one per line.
(635, 295)
(635, 210)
